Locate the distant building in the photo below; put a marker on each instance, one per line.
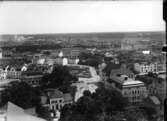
(145, 68)
(133, 43)
(122, 70)
(13, 72)
(32, 80)
(134, 90)
(158, 88)
(7, 52)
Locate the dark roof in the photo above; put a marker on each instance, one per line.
(67, 97)
(54, 93)
(110, 66)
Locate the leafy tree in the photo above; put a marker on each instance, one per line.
(43, 112)
(90, 59)
(21, 94)
(60, 78)
(87, 93)
(112, 99)
(99, 106)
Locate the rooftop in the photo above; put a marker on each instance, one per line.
(16, 113)
(54, 93)
(125, 81)
(155, 100)
(67, 97)
(80, 71)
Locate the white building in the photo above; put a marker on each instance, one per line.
(144, 68)
(134, 90)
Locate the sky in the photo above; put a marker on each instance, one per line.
(80, 16)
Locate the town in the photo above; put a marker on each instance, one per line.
(83, 77)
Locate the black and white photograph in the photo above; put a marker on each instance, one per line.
(82, 60)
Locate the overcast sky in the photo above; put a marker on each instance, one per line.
(74, 17)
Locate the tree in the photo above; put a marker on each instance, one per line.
(43, 112)
(60, 78)
(111, 99)
(21, 94)
(87, 93)
(99, 106)
(90, 59)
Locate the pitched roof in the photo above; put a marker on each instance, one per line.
(55, 93)
(15, 113)
(110, 66)
(155, 100)
(67, 97)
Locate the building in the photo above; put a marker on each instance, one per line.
(3, 74)
(122, 70)
(145, 68)
(134, 90)
(55, 99)
(12, 112)
(32, 79)
(13, 72)
(158, 88)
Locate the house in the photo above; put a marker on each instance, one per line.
(55, 99)
(134, 90)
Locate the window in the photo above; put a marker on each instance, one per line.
(52, 107)
(57, 107)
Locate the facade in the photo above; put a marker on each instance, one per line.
(158, 89)
(13, 73)
(10, 72)
(55, 99)
(145, 68)
(3, 74)
(32, 79)
(134, 90)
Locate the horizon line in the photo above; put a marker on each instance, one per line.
(158, 31)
